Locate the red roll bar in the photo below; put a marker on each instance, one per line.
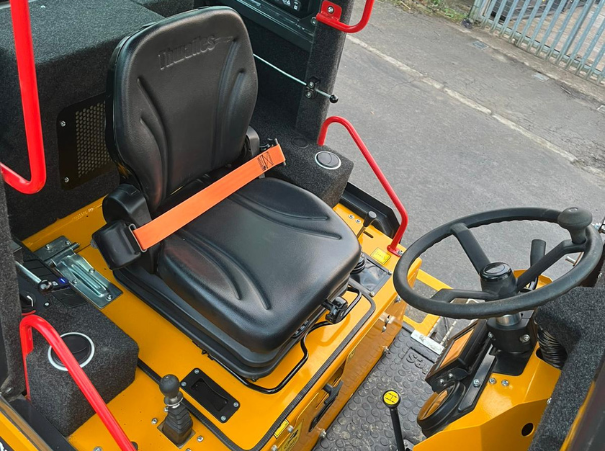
(86, 387)
(330, 13)
(29, 99)
(383, 180)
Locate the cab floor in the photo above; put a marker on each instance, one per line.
(365, 423)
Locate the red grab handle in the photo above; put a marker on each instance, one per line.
(330, 13)
(69, 361)
(392, 248)
(29, 99)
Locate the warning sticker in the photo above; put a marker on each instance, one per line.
(380, 256)
(292, 439)
(281, 428)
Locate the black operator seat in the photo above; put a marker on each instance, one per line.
(244, 277)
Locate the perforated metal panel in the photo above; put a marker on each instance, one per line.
(83, 153)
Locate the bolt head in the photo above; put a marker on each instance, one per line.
(476, 382)
(490, 335)
(548, 400)
(98, 448)
(308, 95)
(330, 9)
(223, 418)
(524, 338)
(322, 434)
(372, 294)
(441, 381)
(62, 123)
(492, 380)
(109, 297)
(200, 438)
(154, 421)
(47, 304)
(183, 384)
(196, 371)
(311, 84)
(290, 429)
(505, 383)
(236, 404)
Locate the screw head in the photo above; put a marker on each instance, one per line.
(548, 401)
(322, 434)
(372, 293)
(154, 421)
(98, 448)
(200, 438)
(311, 84)
(492, 380)
(183, 384)
(476, 382)
(441, 381)
(350, 217)
(290, 429)
(223, 418)
(236, 404)
(505, 383)
(313, 21)
(46, 304)
(524, 338)
(330, 9)
(62, 123)
(66, 179)
(109, 297)
(308, 95)
(196, 371)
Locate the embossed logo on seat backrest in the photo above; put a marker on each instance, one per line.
(170, 57)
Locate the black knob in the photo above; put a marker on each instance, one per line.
(575, 220)
(369, 219)
(333, 98)
(170, 386)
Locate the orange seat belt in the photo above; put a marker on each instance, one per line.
(166, 224)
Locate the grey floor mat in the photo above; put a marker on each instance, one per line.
(364, 424)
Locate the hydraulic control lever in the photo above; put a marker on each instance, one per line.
(178, 424)
(367, 221)
(391, 399)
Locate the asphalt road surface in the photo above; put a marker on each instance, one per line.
(458, 129)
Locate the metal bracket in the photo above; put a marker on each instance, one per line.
(60, 254)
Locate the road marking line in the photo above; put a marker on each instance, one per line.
(461, 98)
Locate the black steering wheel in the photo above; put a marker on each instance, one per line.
(502, 291)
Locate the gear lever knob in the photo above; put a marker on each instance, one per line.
(575, 220)
(170, 386)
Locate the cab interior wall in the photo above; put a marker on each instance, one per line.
(70, 35)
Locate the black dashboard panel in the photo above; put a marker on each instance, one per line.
(294, 20)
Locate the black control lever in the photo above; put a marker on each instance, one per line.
(392, 399)
(367, 221)
(538, 250)
(178, 424)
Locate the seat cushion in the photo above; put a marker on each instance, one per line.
(258, 264)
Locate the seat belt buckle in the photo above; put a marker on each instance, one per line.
(117, 244)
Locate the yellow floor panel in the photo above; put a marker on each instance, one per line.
(166, 350)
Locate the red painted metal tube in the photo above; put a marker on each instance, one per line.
(29, 99)
(86, 387)
(383, 180)
(333, 18)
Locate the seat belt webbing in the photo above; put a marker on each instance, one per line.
(167, 223)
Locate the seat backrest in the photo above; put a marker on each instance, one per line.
(180, 97)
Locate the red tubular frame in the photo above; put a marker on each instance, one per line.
(383, 180)
(86, 387)
(29, 99)
(333, 18)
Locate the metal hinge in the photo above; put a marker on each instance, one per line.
(60, 255)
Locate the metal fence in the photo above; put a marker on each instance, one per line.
(568, 33)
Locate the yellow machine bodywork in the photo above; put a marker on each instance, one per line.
(284, 418)
(282, 421)
(506, 415)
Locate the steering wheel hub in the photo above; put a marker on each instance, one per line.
(496, 271)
